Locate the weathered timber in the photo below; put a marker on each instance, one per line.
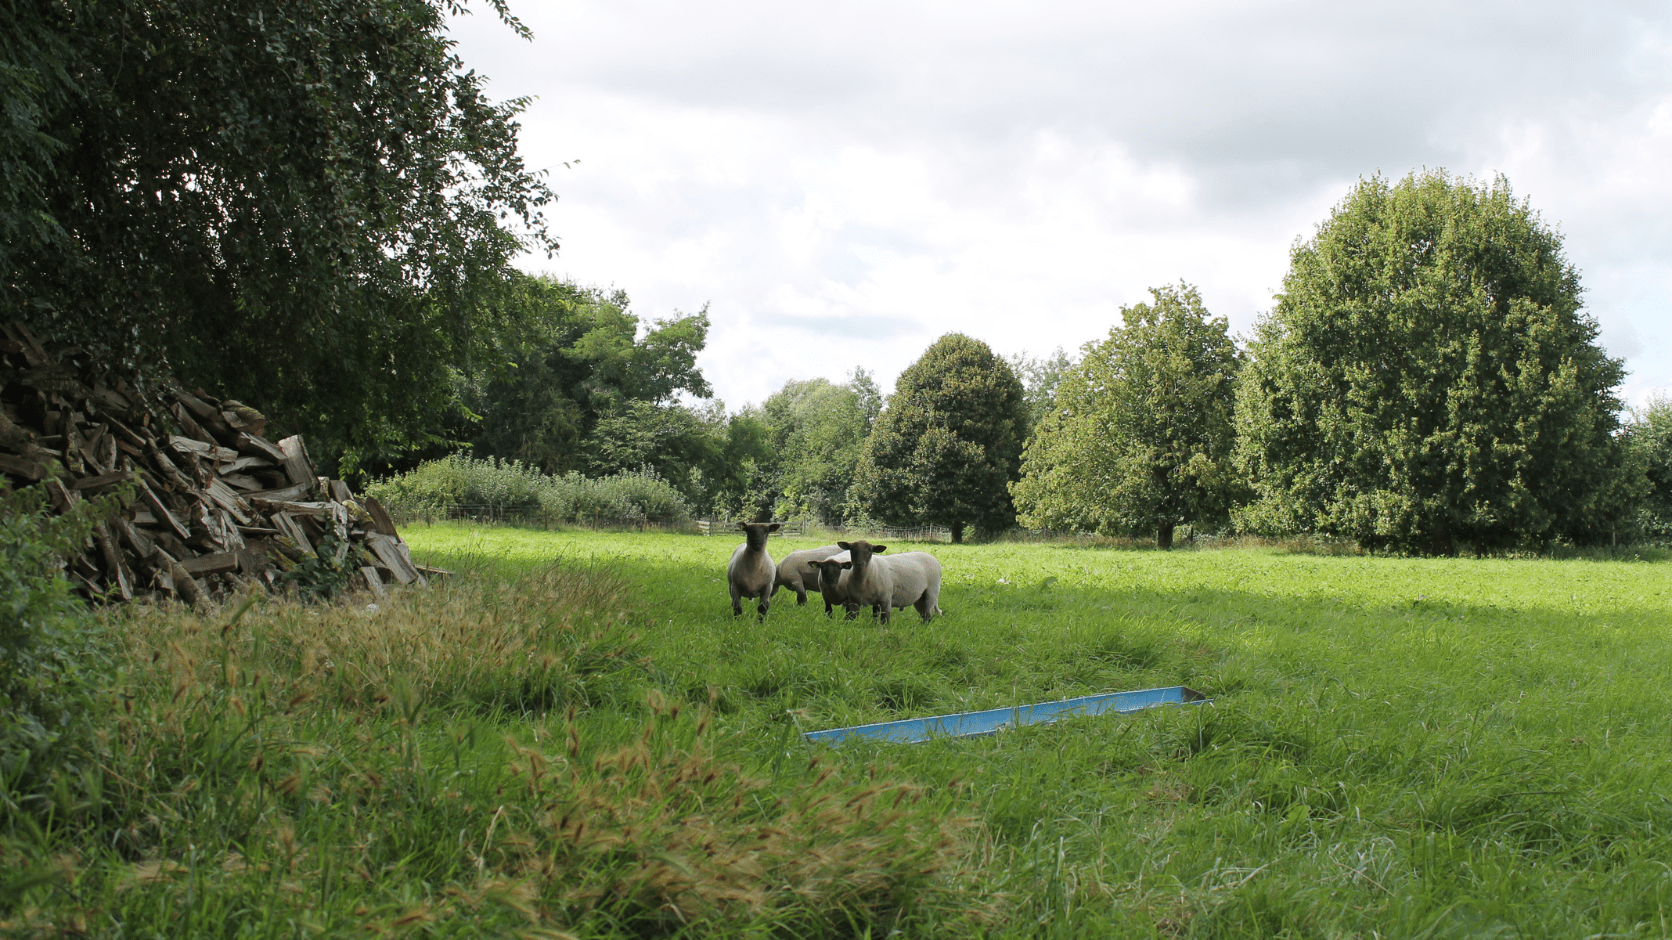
(216, 506)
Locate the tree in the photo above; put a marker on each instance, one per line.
(818, 430)
(1428, 379)
(1649, 436)
(1141, 432)
(308, 207)
(1040, 378)
(946, 448)
(583, 366)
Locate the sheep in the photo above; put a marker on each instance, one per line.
(751, 572)
(908, 579)
(794, 573)
(830, 582)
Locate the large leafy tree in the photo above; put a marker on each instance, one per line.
(818, 430)
(1650, 438)
(587, 362)
(947, 447)
(1040, 378)
(307, 206)
(1140, 434)
(1428, 379)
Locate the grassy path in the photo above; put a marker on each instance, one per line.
(1397, 747)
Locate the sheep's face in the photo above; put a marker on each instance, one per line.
(863, 549)
(830, 572)
(755, 533)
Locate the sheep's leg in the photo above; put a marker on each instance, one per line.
(736, 602)
(801, 598)
(883, 612)
(766, 602)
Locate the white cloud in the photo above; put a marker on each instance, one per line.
(843, 183)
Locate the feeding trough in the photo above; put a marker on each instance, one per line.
(993, 720)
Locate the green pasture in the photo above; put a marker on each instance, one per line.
(574, 737)
(1396, 747)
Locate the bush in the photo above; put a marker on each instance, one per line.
(50, 657)
(461, 485)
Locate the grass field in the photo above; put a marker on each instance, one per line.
(1395, 748)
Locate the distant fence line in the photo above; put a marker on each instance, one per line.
(494, 514)
(923, 533)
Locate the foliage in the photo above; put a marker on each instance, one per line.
(1140, 436)
(460, 484)
(1427, 380)
(50, 660)
(438, 486)
(1040, 378)
(311, 208)
(584, 364)
(1649, 436)
(818, 430)
(324, 573)
(792, 456)
(624, 495)
(947, 447)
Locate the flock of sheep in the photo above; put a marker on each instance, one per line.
(852, 575)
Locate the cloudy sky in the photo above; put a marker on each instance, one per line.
(844, 182)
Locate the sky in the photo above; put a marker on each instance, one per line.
(843, 183)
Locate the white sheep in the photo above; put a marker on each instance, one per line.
(751, 573)
(794, 573)
(910, 579)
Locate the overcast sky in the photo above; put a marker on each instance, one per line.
(844, 182)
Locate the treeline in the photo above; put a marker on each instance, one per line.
(1427, 382)
(317, 213)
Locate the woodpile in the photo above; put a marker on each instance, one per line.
(216, 507)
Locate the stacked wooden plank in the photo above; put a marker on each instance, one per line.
(216, 506)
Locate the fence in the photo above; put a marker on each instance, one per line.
(926, 533)
(496, 514)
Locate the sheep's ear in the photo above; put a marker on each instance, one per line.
(846, 565)
(878, 549)
(744, 526)
(774, 527)
(845, 545)
(813, 565)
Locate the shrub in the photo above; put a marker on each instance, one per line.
(50, 657)
(461, 484)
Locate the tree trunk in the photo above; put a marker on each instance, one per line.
(1164, 536)
(957, 532)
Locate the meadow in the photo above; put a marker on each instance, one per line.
(575, 737)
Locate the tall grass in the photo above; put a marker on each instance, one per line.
(480, 756)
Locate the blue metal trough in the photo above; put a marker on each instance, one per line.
(993, 720)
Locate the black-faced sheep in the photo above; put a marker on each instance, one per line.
(830, 580)
(751, 572)
(794, 573)
(910, 579)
